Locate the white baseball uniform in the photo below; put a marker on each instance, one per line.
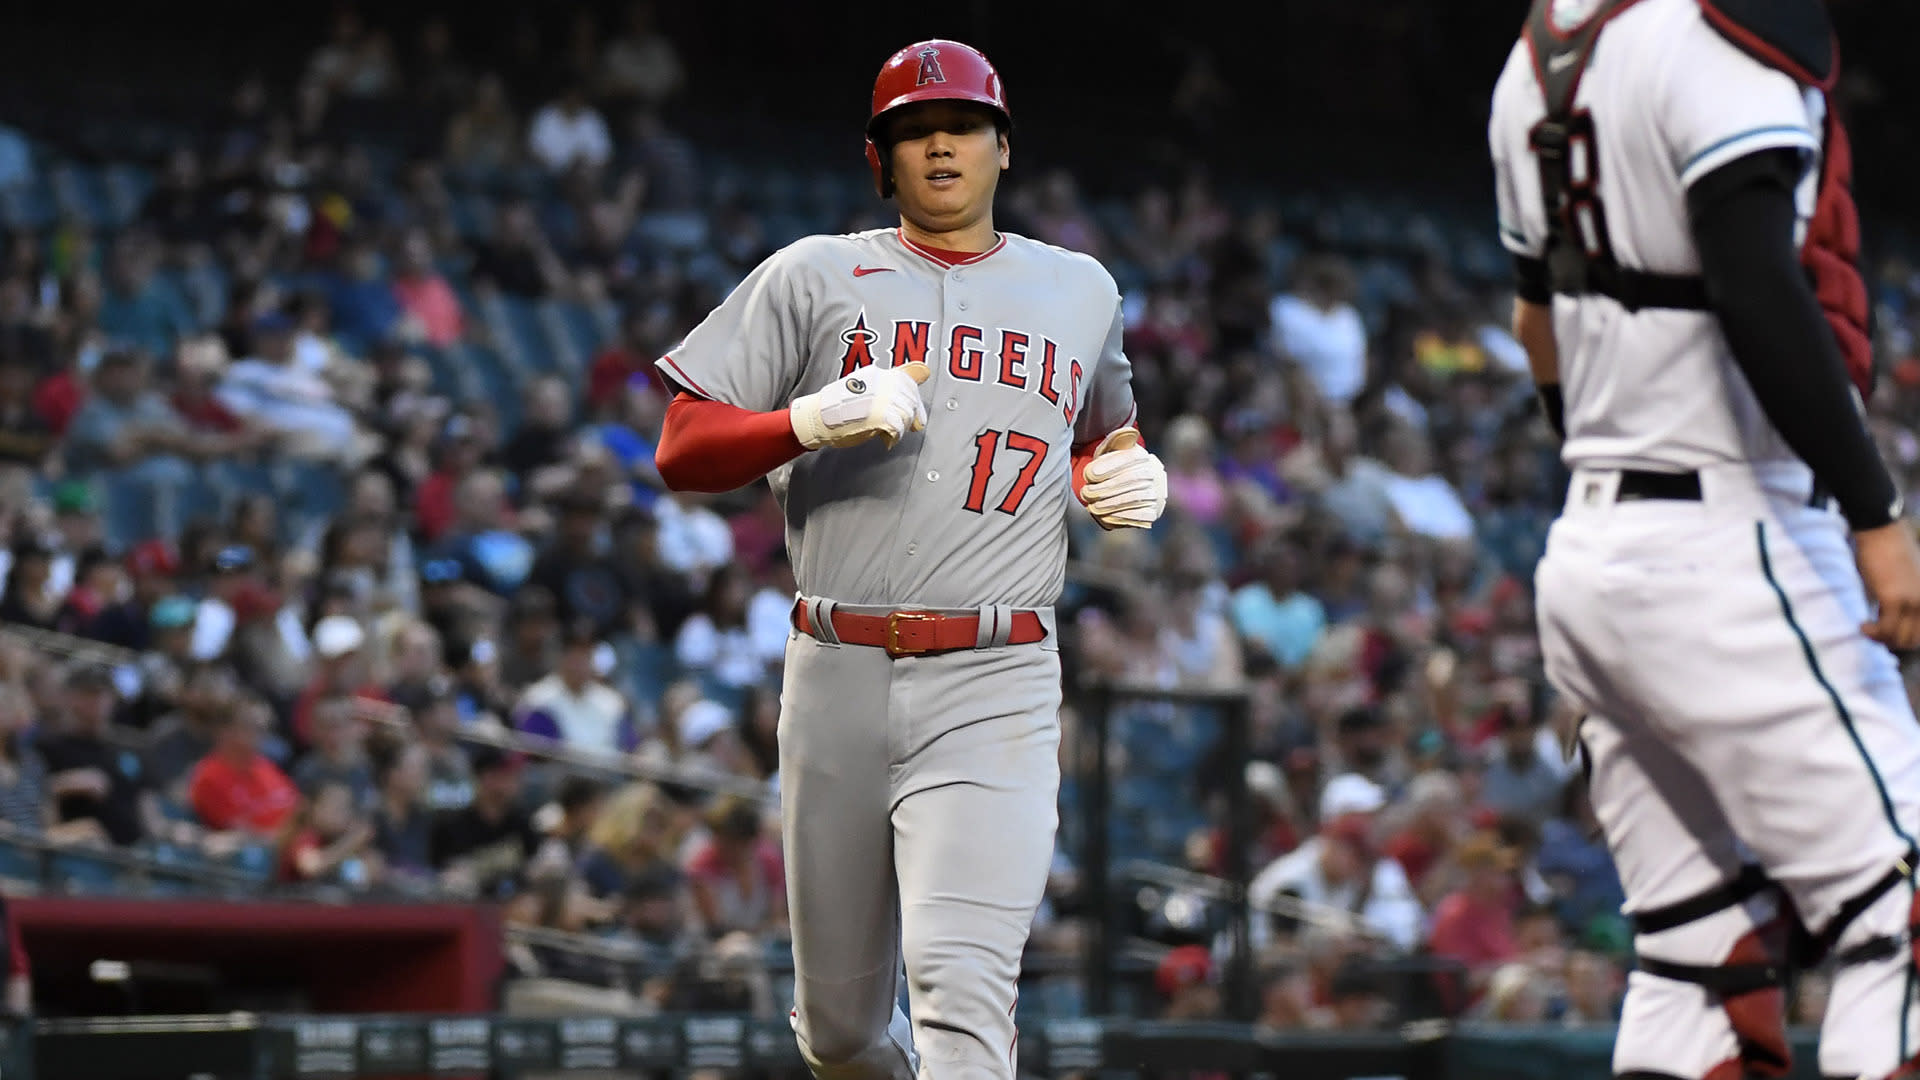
(1737, 713)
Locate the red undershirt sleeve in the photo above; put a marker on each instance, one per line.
(713, 447)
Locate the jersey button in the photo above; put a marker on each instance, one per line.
(952, 404)
(962, 305)
(958, 276)
(913, 549)
(933, 474)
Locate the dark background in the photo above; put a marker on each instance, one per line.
(1322, 94)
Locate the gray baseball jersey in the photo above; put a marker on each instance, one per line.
(1024, 343)
(918, 796)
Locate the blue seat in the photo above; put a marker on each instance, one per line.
(83, 873)
(19, 862)
(127, 188)
(254, 860)
(27, 206)
(522, 322)
(646, 669)
(309, 491)
(78, 193)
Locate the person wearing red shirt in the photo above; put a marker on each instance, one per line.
(1475, 924)
(236, 787)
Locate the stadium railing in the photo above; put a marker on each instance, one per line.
(258, 1047)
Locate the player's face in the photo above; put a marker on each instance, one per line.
(946, 159)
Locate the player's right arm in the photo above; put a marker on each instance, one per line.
(735, 416)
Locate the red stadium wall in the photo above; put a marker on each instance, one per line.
(365, 957)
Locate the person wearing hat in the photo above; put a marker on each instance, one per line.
(270, 390)
(482, 848)
(576, 566)
(88, 775)
(1184, 979)
(573, 705)
(96, 584)
(339, 671)
(1338, 877)
(150, 567)
(1475, 924)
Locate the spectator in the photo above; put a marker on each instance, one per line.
(1194, 487)
(635, 833)
(1184, 978)
(641, 66)
(577, 567)
(23, 773)
(573, 705)
(89, 777)
(402, 818)
(480, 536)
(1273, 613)
(655, 910)
(481, 848)
(542, 441)
(297, 406)
(569, 135)
(340, 671)
(1474, 924)
(236, 788)
(432, 309)
(1423, 501)
(1335, 875)
(140, 309)
(181, 739)
(566, 820)
(1199, 640)
(485, 136)
(1594, 986)
(125, 424)
(25, 436)
(30, 599)
(1435, 820)
(338, 754)
(449, 768)
(327, 843)
(1318, 328)
(519, 259)
(715, 643)
(737, 876)
(1523, 775)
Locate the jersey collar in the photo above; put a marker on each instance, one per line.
(941, 260)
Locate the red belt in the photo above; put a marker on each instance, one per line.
(913, 633)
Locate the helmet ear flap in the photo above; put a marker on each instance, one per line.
(882, 175)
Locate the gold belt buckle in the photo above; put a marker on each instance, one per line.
(894, 619)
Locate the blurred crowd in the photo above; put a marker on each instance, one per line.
(197, 660)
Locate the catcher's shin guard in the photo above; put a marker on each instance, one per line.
(1708, 1001)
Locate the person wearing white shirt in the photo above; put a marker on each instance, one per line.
(568, 134)
(1320, 330)
(1338, 878)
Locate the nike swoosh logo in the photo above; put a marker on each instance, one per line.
(1560, 63)
(863, 271)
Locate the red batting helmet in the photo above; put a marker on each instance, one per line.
(931, 71)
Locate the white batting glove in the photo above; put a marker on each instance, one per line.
(872, 402)
(1126, 487)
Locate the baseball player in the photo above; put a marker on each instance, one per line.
(1732, 565)
(924, 400)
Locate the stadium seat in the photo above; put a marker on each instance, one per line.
(29, 206)
(83, 873)
(19, 862)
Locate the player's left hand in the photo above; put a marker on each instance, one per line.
(1126, 487)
